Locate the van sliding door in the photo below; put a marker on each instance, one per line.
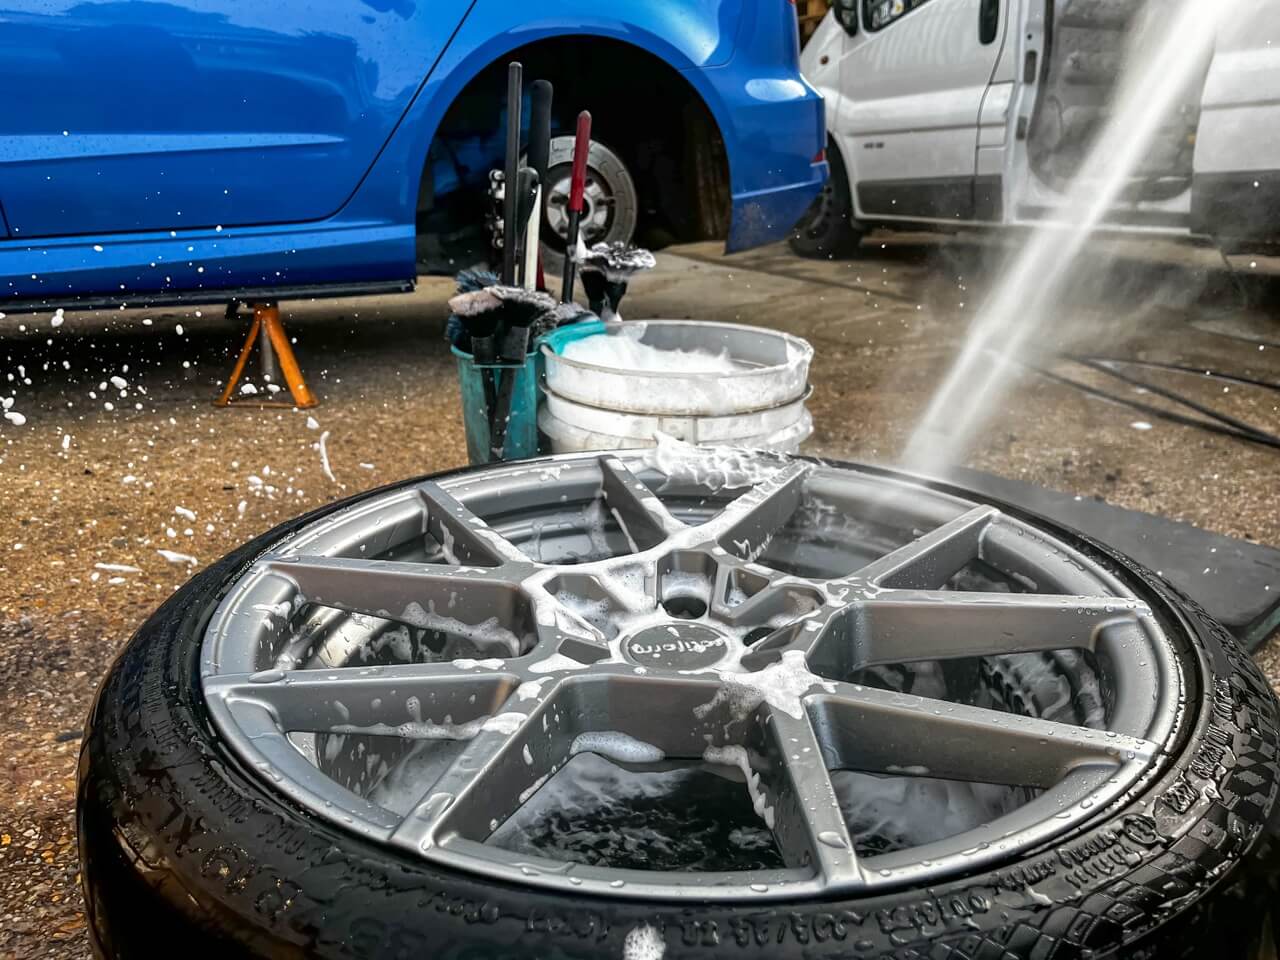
(914, 79)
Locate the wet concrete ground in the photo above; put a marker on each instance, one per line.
(93, 494)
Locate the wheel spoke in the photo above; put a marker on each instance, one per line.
(640, 513)
(879, 731)
(900, 626)
(499, 769)
(478, 605)
(928, 562)
(809, 826)
(466, 538)
(430, 701)
(752, 594)
(747, 524)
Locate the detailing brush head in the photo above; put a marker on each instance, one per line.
(475, 278)
(563, 315)
(522, 307)
(618, 261)
(478, 310)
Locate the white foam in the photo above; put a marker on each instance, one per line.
(117, 567)
(557, 661)
(716, 468)
(417, 729)
(487, 633)
(644, 943)
(736, 756)
(174, 557)
(530, 689)
(616, 746)
(505, 723)
(781, 685)
(625, 351)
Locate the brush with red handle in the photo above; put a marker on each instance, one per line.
(577, 189)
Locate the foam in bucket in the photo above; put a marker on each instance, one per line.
(626, 351)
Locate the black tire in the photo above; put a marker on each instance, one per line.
(183, 851)
(828, 228)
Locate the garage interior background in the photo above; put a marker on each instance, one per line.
(810, 14)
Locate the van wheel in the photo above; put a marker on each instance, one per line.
(828, 228)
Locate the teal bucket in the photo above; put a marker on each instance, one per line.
(522, 428)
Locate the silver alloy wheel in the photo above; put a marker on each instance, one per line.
(704, 605)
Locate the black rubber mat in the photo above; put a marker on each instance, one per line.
(1236, 581)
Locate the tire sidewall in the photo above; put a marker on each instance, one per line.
(164, 806)
(838, 232)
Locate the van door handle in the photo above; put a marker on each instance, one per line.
(988, 21)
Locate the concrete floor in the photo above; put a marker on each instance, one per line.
(99, 480)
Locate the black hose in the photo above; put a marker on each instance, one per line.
(1173, 396)
(1219, 424)
(1181, 368)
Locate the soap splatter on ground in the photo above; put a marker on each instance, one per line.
(106, 512)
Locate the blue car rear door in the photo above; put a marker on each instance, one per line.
(137, 115)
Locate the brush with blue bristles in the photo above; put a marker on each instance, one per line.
(459, 329)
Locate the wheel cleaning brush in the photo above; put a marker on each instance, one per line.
(468, 281)
(607, 269)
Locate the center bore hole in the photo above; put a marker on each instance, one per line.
(684, 608)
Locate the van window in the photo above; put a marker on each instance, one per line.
(878, 14)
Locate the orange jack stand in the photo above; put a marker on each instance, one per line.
(266, 318)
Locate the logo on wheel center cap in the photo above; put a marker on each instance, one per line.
(676, 646)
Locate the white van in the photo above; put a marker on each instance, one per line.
(977, 112)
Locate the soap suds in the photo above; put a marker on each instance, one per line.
(644, 943)
(616, 746)
(736, 756)
(626, 351)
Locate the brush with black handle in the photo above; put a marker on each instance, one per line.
(518, 316)
(511, 169)
(539, 159)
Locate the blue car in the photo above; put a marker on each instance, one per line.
(166, 150)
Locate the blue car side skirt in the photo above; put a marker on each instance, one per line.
(207, 266)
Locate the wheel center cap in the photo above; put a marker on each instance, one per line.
(677, 646)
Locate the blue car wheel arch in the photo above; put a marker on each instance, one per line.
(282, 148)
